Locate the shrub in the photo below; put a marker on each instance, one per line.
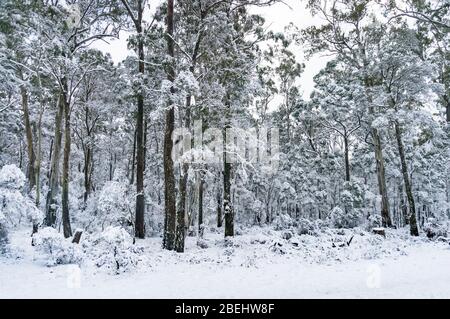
(306, 227)
(3, 234)
(340, 219)
(283, 221)
(54, 249)
(13, 205)
(374, 221)
(114, 250)
(434, 229)
(113, 205)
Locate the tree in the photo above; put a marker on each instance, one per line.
(350, 34)
(136, 17)
(169, 178)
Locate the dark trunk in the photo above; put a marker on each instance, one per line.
(66, 165)
(228, 209)
(169, 177)
(200, 207)
(181, 212)
(53, 189)
(145, 141)
(219, 206)
(448, 110)
(140, 199)
(87, 172)
(403, 207)
(381, 176)
(133, 165)
(408, 188)
(347, 160)
(31, 175)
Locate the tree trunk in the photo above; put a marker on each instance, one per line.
(228, 209)
(53, 188)
(347, 160)
(408, 188)
(87, 172)
(403, 207)
(38, 159)
(181, 212)
(140, 199)
(381, 176)
(200, 207)
(133, 165)
(31, 175)
(448, 110)
(66, 165)
(169, 178)
(219, 206)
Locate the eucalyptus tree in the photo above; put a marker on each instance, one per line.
(350, 32)
(70, 27)
(135, 12)
(406, 82)
(339, 97)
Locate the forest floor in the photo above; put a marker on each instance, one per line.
(257, 264)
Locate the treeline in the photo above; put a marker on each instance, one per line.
(95, 139)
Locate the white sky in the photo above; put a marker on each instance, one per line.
(277, 17)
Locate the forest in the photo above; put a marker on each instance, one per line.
(203, 142)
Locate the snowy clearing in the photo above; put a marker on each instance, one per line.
(391, 268)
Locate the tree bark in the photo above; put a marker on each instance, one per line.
(200, 207)
(140, 198)
(169, 178)
(87, 172)
(38, 158)
(219, 206)
(448, 110)
(408, 188)
(347, 159)
(29, 135)
(181, 212)
(381, 176)
(53, 188)
(133, 165)
(403, 207)
(228, 208)
(66, 164)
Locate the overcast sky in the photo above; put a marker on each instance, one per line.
(277, 17)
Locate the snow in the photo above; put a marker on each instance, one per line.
(247, 267)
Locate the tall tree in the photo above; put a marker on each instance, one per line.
(137, 18)
(169, 178)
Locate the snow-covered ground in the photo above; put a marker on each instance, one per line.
(258, 264)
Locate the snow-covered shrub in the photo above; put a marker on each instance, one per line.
(306, 227)
(374, 221)
(11, 177)
(434, 229)
(13, 205)
(283, 221)
(110, 207)
(54, 249)
(3, 233)
(113, 204)
(113, 250)
(340, 219)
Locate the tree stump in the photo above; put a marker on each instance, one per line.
(379, 231)
(77, 237)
